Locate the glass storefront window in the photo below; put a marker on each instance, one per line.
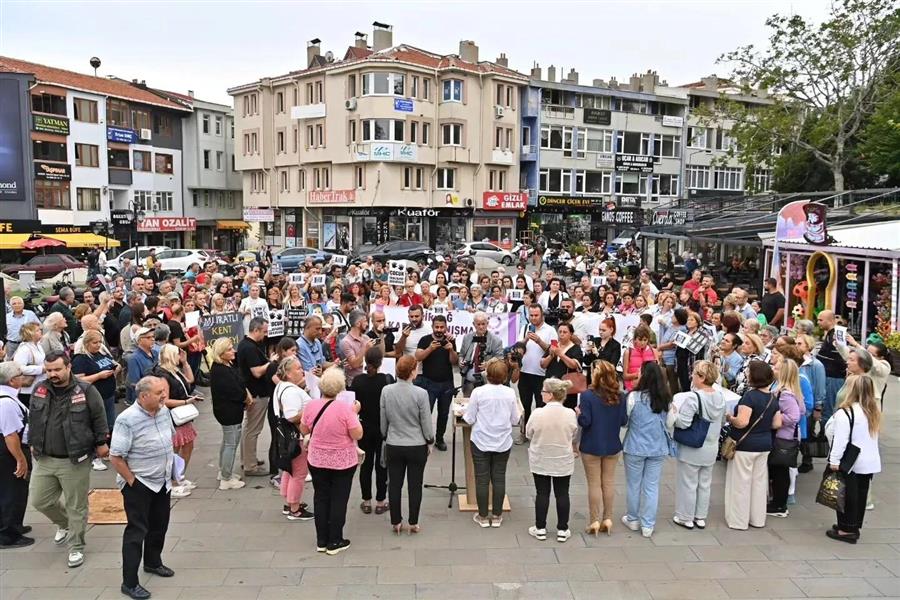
(369, 230)
(497, 231)
(849, 298)
(878, 317)
(414, 229)
(312, 230)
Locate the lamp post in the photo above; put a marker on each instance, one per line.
(136, 214)
(102, 228)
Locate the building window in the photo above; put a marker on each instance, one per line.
(555, 180)
(453, 90)
(141, 159)
(254, 104)
(205, 122)
(724, 141)
(497, 180)
(254, 143)
(629, 142)
(118, 159)
(164, 201)
(51, 194)
(633, 106)
(667, 146)
(628, 183)
(195, 196)
(381, 84)
(320, 93)
(390, 130)
(407, 178)
(666, 185)
(600, 140)
(280, 138)
(296, 137)
(645, 144)
(413, 178)
(231, 127)
(556, 138)
(591, 101)
(285, 184)
(117, 113)
(320, 136)
(164, 163)
(446, 179)
(762, 180)
(49, 151)
(246, 144)
(205, 198)
(309, 93)
(451, 134)
(420, 178)
(232, 163)
(140, 119)
(279, 102)
(310, 136)
(728, 178)
(413, 132)
(426, 134)
(88, 198)
(426, 88)
(48, 103)
(351, 86)
(414, 87)
(87, 155)
(697, 177)
(700, 137)
(301, 180)
(351, 131)
(220, 156)
(206, 154)
(85, 110)
(143, 199)
(218, 125)
(360, 178)
(593, 182)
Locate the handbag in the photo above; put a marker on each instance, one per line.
(28, 380)
(287, 438)
(832, 490)
(578, 381)
(784, 452)
(815, 445)
(694, 436)
(851, 452)
(184, 414)
(730, 445)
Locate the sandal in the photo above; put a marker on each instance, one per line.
(380, 509)
(366, 507)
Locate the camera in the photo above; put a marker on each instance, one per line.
(554, 316)
(390, 330)
(479, 339)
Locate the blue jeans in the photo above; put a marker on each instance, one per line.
(832, 386)
(440, 392)
(231, 438)
(642, 475)
(109, 404)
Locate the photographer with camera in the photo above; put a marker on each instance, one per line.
(384, 335)
(412, 334)
(437, 354)
(478, 347)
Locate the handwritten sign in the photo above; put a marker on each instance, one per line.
(397, 277)
(227, 325)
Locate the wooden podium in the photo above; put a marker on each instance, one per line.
(467, 501)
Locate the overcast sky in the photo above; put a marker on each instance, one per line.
(208, 46)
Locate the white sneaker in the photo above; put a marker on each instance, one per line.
(180, 491)
(870, 506)
(632, 525)
(76, 559)
(61, 536)
(483, 522)
(646, 531)
(538, 534)
(308, 477)
(97, 465)
(231, 484)
(496, 521)
(188, 484)
(562, 535)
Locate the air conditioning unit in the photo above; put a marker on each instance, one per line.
(498, 111)
(350, 104)
(146, 134)
(154, 206)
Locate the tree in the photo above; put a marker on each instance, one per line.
(823, 83)
(880, 146)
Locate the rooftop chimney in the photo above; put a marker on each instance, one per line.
(613, 83)
(312, 50)
(634, 83)
(536, 72)
(360, 40)
(649, 81)
(711, 82)
(468, 51)
(599, 83)
(551, 73)
(502, 60)
(191, 93)
(382, 36)
(573, 76)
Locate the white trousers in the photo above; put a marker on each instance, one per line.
(746, 489)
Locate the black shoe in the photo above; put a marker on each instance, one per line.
(850, 538)
(19, 543)
(24, 529)
(440, 445)
(805, 468)
(337, 548)
(161, 570)
(137, 592)
(301, 515)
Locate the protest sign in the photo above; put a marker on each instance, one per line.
(459, 323)
(586, 325)
(516, 295)
(293, 319)
(276, 269)
(296, 278)
(840, 335)
(276, 323)
(598, 280)
(229, 325)
(339, 260)
(397, 277)
(625, 324)
(318, 281)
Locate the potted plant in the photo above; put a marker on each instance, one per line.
(892, 341)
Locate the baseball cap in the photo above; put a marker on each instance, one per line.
(142, 332)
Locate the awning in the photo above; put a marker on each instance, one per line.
(13, 241)
(232, 225)
(84, 240)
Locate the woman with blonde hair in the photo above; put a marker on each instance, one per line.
(288, 401)
(174, 368)
(790, 396)
(601, 415)
(855, 422)
(92, 365)
(29, 356)
(551, 457)
(229, 399)
(218, 305)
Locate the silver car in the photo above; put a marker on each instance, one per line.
(485, 250)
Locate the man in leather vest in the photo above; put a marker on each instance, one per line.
(67, 428)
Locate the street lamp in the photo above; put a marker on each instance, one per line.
(102, 228)
(132, 217)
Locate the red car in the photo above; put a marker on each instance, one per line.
(46, 266)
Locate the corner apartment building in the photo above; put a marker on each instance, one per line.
(386, 142)
(100, 148)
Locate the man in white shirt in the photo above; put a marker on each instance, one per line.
(538, 335)
(414, 332)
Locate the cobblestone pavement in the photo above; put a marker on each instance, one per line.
(236, 544)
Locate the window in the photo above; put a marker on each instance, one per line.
(119, 159)
(360, 178)
(206, 198)
(87, 155)
(666, 185)
(382, 130)
(762, 180)
(629, 142)
(593, 182)
(555, 180)
(246, 144)
(279, 102)
(426, 88)
(51, 194)
(232, 163)
(580, 144)
(162, 124)
(414, 87)
(85, 110)
(310, 136)
(498, 137)
(254, 104)
(407, 182)
(351, 131)
(231, 126)
(381, 84)
(246, 105)
(667, 146)
(526, 136)
(143, 199)
(285, 185)
(49, 151)
(451, 134)
(296, 136)
(633, 106)
(510, 96)
(628, 183)
(426, 134)
(446, 179)
(140, 119)
(164, 201)
(420, 178)
(351, 86)
(645, 144)
(206, 154)
(309, 93)
(141, 159)
(205, 122)
(453, 90)
(724, 141)
(500, 95)
(301, 180)
(699, 137)
(48, 103)
(509, 138)
(589, 101)
(413, 132)
(556, 138)
(164, 163)
(321, 178)
(320, 93)
(697, 177)
(88, 198)
(196, 198)
(117, 113)
(320, 136)
(497, 180)
(280, 138)
(599, 140)
(254, 143)
(220, 158)
(728, 178)
(218, 125)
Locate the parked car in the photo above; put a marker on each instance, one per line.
(179, 259)
(46, 266)
(116, 263)
(401, 250)
(291, 258)
(485, 250)
(363, 250)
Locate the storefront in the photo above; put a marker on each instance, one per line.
(579, 219)
(174, 232)
(497, 219)
(77, 239)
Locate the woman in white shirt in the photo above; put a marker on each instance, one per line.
(30, 357)
(253, 306)
(855, 422)
(553, 297)
(551, 457)
(492, 412)
(288, 401)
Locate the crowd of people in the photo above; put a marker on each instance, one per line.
(115, 380)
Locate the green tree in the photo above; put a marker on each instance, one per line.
(880, 146)
(823, 82)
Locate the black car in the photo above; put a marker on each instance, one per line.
(400, 250)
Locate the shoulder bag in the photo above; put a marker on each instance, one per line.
(851, 452)
(184, 413)
(784, 452)
(694, 436)
(287, 437)
(730, 445)
(578, 381)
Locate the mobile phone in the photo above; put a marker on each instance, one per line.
(554, 343)
(531, 328)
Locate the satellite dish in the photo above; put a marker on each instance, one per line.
(329, 56)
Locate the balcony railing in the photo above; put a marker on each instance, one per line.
(555, 111)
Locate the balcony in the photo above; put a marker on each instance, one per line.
(119, 176)
(531, 107)
(556, 111)
(502, 157)
(529, 152)
(308, 111)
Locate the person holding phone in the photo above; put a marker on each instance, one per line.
(174, 368)
(412, 334)
(99, 369)
(437, 354)
(537, 336)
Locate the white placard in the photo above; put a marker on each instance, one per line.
(296, 278)
(192, 319)
(388, 366)
(276, 323)
(339, 260)
(397, 277)
(598, 280)
(318, 281)
(682, 339)
(840, 335)
(516, 295)
(625, 324)
(312, 385)
(346, 396)
(276, 269)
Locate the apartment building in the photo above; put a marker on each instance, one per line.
(385, 142)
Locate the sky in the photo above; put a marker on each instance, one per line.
(208, 45)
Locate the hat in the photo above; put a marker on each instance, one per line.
(142, 332)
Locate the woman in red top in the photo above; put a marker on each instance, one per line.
(633, 358)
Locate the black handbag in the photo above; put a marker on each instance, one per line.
(694, 436)
(287, 440)
(851, 452)
(784, 452)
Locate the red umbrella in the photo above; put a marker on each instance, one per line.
(37, 242)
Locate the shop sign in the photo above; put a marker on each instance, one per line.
(122, 135)
(13, 171)
(852, 285)
(606, 161)
(569, 202)
(331, 196)
(669, 121)
(672, 217)
(154, 224)
(382, 151)
(121, 217)
(365, 212)
(57, 125)
(389, 151)
(403, 104)
(51, 229)
(52, 171)
(634, 163)
(20, 226)
(597, 116)
(416, 212)
(622, 216)
(504, 201)
(816, 229)
(630, 201)
(259, 215)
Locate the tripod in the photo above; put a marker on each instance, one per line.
(452, 487)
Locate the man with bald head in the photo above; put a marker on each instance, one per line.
(835, 365)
